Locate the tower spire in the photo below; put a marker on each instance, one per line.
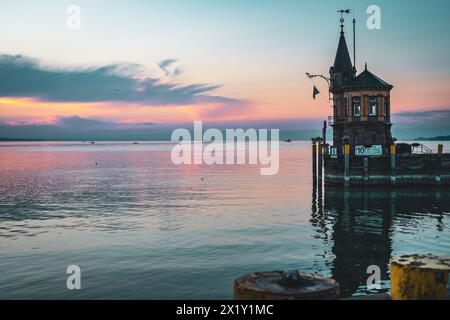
(342, 62)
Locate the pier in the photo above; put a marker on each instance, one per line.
(394, 169)
(363, 151)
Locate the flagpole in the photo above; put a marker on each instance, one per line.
(311, 76)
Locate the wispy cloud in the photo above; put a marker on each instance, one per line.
(165, 66)
(21, 76)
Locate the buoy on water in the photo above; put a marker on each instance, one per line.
(285, 285)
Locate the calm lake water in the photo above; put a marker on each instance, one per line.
(140, 227)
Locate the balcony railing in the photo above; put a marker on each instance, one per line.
(333, 120)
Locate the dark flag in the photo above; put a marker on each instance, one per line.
(315, 92)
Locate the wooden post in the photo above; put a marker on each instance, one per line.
(314, 160)
(346, 164)
(419, 277)
(393, 161)
(366, 169)
(439, 164)
(324, 139)
(320, 159)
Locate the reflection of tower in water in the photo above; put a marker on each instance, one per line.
(361, 235)
(358, 226)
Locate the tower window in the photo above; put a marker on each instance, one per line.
(373, 104)
(386, 106)
(356, 105)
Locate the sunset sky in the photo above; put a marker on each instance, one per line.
(167, 62)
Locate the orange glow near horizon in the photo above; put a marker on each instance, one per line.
(288, 106)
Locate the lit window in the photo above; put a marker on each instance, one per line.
(356, 103)
(373, 104)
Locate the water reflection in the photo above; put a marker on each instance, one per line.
(359, 227)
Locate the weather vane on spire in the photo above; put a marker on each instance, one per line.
(342, 11)
(327, 79)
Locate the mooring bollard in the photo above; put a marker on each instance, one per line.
(285, 285)
(346, 164)
(393, 173)
(314, 160)
(419, 277)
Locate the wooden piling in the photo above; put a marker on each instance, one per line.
(320, 160)
(346, 164)
(439, 164)
(366, 169)
(440, 149)
(419, 277)
(314, 160)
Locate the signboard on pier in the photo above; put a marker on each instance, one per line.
(375, 150)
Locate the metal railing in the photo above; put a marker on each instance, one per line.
(332, 120)
(419, 148)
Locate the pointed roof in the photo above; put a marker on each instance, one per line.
(367, 80)
(342, 60)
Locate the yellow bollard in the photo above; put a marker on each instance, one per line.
(419, 277)
(393, 162)
(392, 149)
(346, 149)
(280, 285)
(346, 164)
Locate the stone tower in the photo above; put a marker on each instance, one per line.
(361, 104)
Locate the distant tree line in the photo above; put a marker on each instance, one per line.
(438, 138)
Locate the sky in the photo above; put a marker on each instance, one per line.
(154, 63)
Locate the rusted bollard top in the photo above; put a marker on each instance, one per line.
(285, 285)
(419, 277)
(423, 261)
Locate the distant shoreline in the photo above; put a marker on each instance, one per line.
(437, 138)
(21, 140)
